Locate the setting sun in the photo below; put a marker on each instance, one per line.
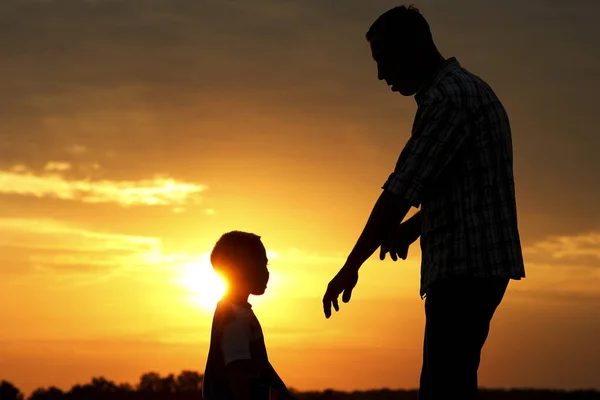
(205, 285)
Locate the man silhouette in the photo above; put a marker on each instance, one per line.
(458, 167)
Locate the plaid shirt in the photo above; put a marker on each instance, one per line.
(458, 166)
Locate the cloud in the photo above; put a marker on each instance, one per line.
(585, 295)
(76, 149)
(159, 191)
(67, 252)
(577, 250)
(49, 246)
(52, 232)
(562, 269)
(57, 166)
(79, 256)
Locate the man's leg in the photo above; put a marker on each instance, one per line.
(458, 315)
(424, 382)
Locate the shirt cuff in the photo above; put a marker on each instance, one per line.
(398, 186)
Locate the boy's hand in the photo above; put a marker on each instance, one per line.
(397, 243)
(345, 280)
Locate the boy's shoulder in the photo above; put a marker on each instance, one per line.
(227, 313)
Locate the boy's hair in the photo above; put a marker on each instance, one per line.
(402, 24)
(232, 250)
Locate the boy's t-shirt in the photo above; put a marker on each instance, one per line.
(236, 335)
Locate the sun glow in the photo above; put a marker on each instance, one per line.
(205, 287)
(202, 281)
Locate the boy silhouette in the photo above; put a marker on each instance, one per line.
(238, 367)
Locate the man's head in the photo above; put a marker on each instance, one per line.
(241, 259)
(403, 47)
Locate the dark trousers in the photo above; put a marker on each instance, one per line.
(458, 313)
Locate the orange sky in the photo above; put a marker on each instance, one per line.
(135, 133)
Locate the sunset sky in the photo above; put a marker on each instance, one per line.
(135, 132)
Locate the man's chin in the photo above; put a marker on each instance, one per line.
(403, 91)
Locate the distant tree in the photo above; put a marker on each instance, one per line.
(83, 392)
(52, 393)
(126, 388)
(9, 392)
(188, 384)
(103, 385)
(189, 381)
(150, 382)
(168, 384)
(99, 389)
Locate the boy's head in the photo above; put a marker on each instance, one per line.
(241, 259)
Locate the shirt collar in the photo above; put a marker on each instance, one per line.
(243, 304)
(448, 65)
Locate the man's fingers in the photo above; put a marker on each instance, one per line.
(382, 251)
(326, 306)
(394, 253)
(328, 299)
(346, 295)
(341, 284)
(404, 253)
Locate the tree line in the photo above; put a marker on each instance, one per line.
(188, 386)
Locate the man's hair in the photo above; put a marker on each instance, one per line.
(402, 24)
(232, 250)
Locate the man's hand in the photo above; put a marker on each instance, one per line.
(389, 210)
(345, 280)
(396, 244)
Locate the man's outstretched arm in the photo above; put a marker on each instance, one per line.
(438, 135)
(388, 212)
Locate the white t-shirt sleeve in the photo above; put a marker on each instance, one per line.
(235, 342)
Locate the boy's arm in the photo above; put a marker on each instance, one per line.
(237, 374)
(283, 392)
(235, 347)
